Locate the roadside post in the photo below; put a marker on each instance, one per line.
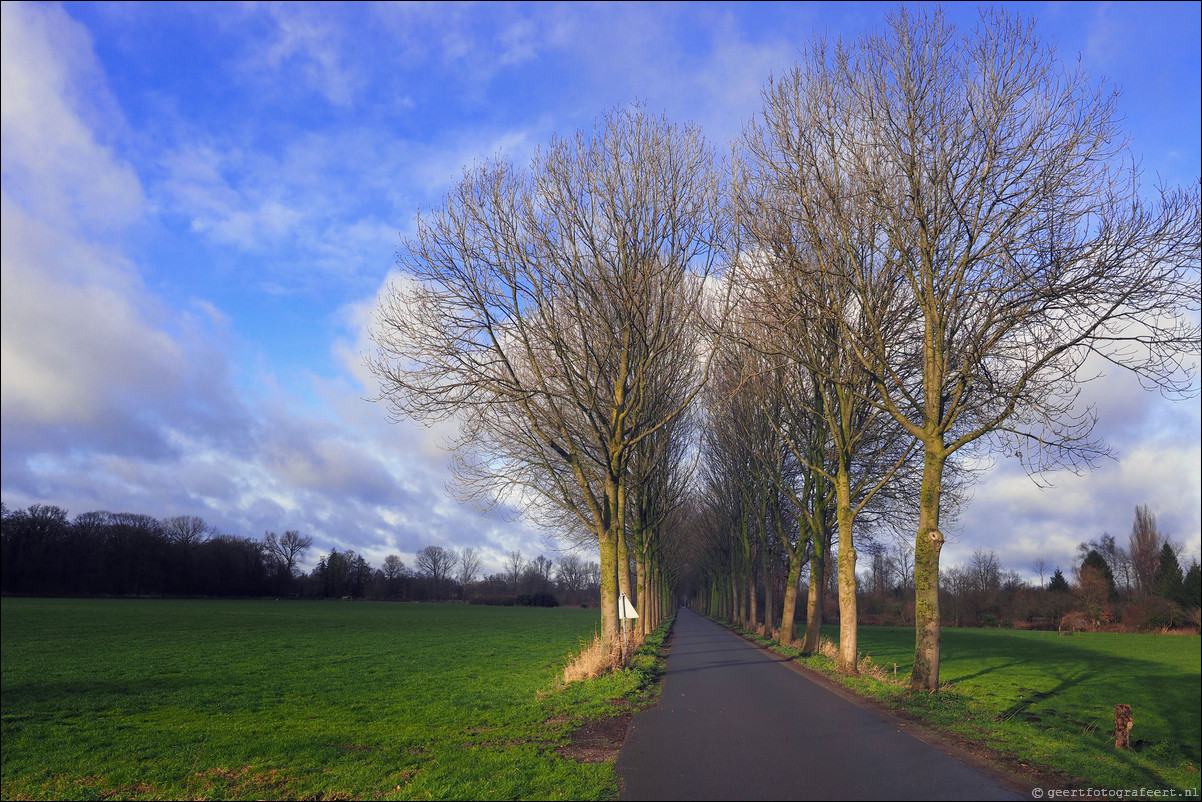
(625, 613)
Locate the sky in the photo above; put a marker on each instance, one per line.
(203, 202)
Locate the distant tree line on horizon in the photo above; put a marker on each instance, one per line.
(44, 552)
(1138, 587)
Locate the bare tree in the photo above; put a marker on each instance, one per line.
(393, 568)
(760, 446)
(543, 567)
(394, 572)
(515, 563)
(984, 571)
(537, 306)
(1006, 217)
(1145, 542)
(188, 531)
(570, 574)
(903, 558)
(658, 482)
(436, 564)
(287, 550)
(470, 563)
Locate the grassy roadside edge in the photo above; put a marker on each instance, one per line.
(937, 719)
(598, 737)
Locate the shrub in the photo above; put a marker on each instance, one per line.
(1154, 613)
(537, 600)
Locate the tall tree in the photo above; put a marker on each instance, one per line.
(1003, 212)
(470, 563)
(436, 564)
(1170, 582)
(515, 563)
(570, 575)
(1145, 543)
(394, 571)
(187, 531)
(538, 306)
(287, 550)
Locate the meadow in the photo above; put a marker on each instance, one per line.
(194, 699)
(1046, 702)
(191, 699)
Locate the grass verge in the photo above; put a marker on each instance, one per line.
(1044, 704)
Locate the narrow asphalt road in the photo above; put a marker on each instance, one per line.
(736, 722)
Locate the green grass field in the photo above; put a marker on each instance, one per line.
(262, 699)
(294, 699)
(1048, 701)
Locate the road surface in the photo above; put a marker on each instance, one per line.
(735, 721)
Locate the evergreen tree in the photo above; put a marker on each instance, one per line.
(1058, 583)
(1170, 584)
(1193, 587)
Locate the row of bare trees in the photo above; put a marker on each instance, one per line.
(43, 551)
(555, 313)
(921, 247)
(981, 592)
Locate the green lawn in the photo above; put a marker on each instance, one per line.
(1049, 700)
(266, 699)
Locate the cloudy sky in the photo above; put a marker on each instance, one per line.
(201, 203)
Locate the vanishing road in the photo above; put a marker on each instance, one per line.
(737, 722)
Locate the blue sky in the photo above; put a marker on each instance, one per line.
(201, 203)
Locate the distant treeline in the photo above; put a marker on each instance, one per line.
(44, 552)
(1139, 586)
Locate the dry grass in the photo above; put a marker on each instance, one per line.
(828, 649)
(593, 661)
(879, 673)
(865, 666)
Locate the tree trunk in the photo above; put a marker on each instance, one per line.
(753, 616)
(609, 536)
(788, 614)
(610, 637)
(623, 558)
(848, 632)
(927, 545)
(813, 633)
(640, 573)
(769, 602)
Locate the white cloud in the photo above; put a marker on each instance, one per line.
(304, 40)
(54, 164)
(1154, 466)
(77, 342)
(93, 362)
(322, 209)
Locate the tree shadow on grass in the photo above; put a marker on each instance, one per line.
(1066, 689)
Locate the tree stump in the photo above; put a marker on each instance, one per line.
(1123, 722)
